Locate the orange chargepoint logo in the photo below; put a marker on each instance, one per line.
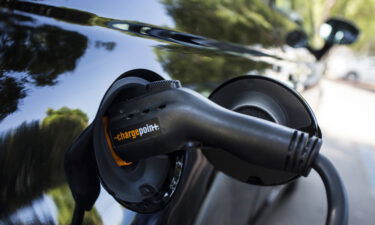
(127, 135)
(135, 133)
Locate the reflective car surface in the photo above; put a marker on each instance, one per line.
(59, 57)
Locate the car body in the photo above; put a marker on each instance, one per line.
(58, 56)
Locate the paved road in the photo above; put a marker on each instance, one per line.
(347, 118)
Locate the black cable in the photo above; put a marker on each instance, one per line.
(337, 207)
(78, 215)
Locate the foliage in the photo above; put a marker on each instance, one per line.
(239, 21)
(65, 113)
(41, 52)
(31, 161)
(314, 13)
(203, 70)
(10, 93)
(65, 205)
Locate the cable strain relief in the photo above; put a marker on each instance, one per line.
(302, 152)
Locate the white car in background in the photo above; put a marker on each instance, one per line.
(344, 63)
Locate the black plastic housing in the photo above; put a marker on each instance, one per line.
(188, 119)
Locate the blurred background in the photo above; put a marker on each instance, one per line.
(344, 104)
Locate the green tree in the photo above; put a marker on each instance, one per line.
(31, 163)
(204, 70)
(65, 113)
(240, 21)
(314, 13)
(11, 91)
(40, 52)
(32, 54)
(65, 205)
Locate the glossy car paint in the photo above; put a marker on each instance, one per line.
(58, 54)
